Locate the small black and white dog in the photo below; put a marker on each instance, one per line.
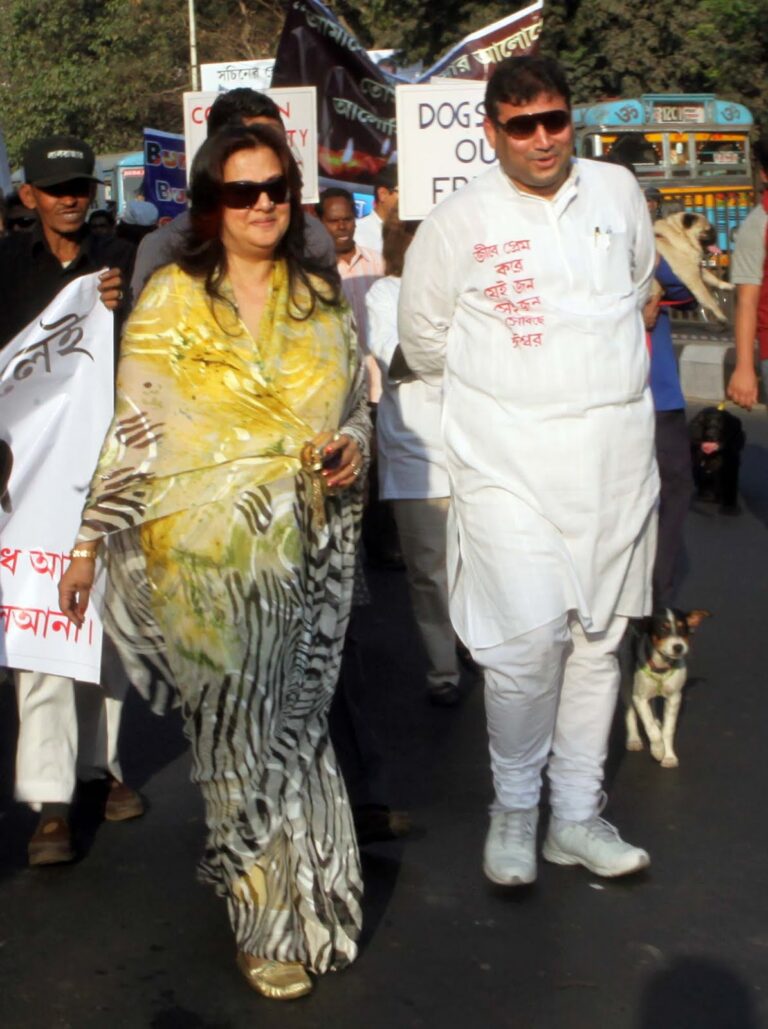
(661, 645)
(717, 440)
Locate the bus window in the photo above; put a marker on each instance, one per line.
(639, 150)
(132, 180)
(721, 156)
(643, 152)
(679, 154)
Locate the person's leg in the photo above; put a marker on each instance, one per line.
(673, 454)
(46, 753)
(584, 716)
(421, 526)
(522, 684)
(357, 748)
(577, 835)
(99, 711)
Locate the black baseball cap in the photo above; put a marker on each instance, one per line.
(52, 160)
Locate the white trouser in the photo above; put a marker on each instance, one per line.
(63, 737)
(550, 695)
(421, 529)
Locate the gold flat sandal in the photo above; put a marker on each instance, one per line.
(278, 980)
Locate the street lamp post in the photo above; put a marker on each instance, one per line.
(194, 68)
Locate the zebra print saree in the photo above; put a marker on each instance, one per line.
(228, 590)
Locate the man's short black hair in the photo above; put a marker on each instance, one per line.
(230, 108)
(387, 177)
(519, 80)
(334, 193)
(760, 150)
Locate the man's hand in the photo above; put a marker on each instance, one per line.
(111, 288)
(742, 388)
(651, 311)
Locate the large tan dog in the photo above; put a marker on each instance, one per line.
(682, 240)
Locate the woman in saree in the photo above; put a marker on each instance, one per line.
(226, 504)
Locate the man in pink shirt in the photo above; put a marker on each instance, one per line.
(358, 267)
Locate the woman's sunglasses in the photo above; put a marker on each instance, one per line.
(239, 195)
(523, 126)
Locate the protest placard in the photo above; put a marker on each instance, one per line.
(298, 109)
(56, 386)
(218, 78)
(441, 144)
(165, 172)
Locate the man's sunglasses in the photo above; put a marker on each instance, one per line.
(523, 126)
(239, 195)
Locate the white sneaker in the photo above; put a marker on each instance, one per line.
(509, 857)
(596, 844)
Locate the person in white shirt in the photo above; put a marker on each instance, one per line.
(368, 231)
(522, 295)
(413, 473)
(359, 269)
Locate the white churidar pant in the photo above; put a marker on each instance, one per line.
(64, 737)
(550, 695)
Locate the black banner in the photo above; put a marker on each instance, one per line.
(356, 101)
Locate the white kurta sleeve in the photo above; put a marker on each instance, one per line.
(427, 302)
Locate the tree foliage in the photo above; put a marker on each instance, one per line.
(105, 68)
(616, 48)
(609, 47)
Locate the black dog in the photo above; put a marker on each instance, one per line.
(717, 439)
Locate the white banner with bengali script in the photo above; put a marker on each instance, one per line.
(56, 401)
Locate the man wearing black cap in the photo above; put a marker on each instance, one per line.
(368, 229)
(34, 267)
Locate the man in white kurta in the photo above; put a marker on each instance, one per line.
(522, 295)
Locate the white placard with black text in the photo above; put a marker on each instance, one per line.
(441, 144)
(298, 108)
